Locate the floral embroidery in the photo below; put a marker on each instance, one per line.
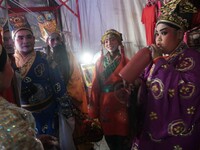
(157, 88)
(134, 147)
(186, 64)
(177, 147)
(191, 110)
(164, 66)
(153, 116)
(39, 70)
(176, 127)
(186, 90)
(171, 92)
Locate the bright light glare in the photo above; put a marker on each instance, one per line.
(86, 58)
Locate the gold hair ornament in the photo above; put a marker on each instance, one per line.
(171, 11)
(111, 31)
(174, 19)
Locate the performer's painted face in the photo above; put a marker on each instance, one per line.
(111, 43)
(167, 38)
(8, 42)
(54, 39)
(24, 41)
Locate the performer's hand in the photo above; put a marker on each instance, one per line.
(156, 51)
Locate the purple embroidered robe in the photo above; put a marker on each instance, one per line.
(171, 99)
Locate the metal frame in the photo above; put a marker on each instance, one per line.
(54, 8)
(76, 14)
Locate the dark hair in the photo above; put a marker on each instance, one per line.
(61, 57)
(3, 59)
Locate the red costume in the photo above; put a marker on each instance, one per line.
(108, 100)
(149, 20)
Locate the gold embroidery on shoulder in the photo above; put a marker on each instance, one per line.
(186, 64)
(157, 88)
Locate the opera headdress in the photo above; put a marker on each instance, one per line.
(47, 25)
(18, 23)
(177, 12)
(111, 32)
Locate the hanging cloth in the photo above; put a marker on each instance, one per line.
(149, 20)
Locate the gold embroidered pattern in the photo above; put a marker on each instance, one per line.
(170, 13)
(164, 66)
(181, 82)
(24, 63)
(157, 88)
(177, 147)
(186, 90)
(111, 31)
(186, 64)
(134, 147)
(39, 70)
(191, 110)
(171, 93)
(177, 127)
(16, 127)
(25, 68)
(153, 116)
(153, 139)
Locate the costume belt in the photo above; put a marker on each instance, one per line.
(38, 106)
